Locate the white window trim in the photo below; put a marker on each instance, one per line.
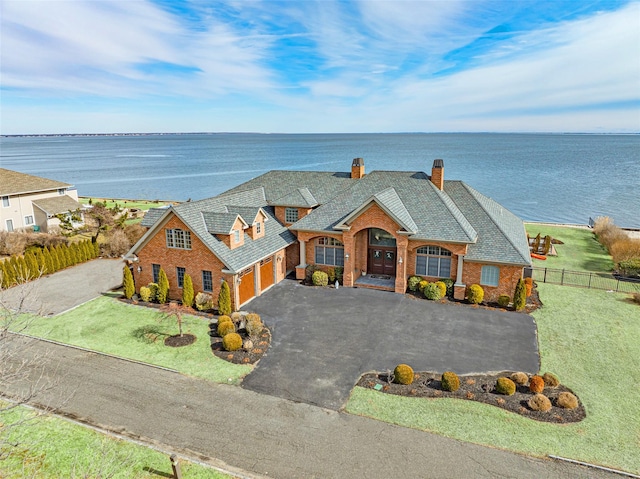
(8, 200)
(10, 228)
(236, 236)
(258, 228)
(440, 257)
(492, 268)
(26, 220)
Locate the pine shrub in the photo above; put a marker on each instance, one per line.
(475, 294)
(403, 374)
(450, 381)
(432, 292)
(204, 302)
(520, 296)
(224, 299)
(567, 400)
(505, 386)
(413, 282)
(145, 293)
(127, 282)
(162, 296)
(320, 278)
(550, 380)
(153, 288)
(503, 300)
(187, 291)
(225, 328)
(539, 402)
(536, 384)
(442, 287)
(520, 378)
(232, 341)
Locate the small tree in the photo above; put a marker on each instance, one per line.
(127, 282)
(224, 299)
(520, 295)
(187, 291)
(163, 287)
(68, 222)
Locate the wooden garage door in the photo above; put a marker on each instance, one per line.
(246, 287)
(266, 273)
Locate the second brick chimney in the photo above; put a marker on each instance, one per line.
(437, 174)
(357, 168)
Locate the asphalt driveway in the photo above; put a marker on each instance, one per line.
(324, 339)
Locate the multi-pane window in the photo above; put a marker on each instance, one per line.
(329, 251)
(156, 272)
(180, 274)
(177, 238)
(5, 202)
(433, 261)
(207, 281)
(291, 215)
(258, 228)
(490, 275)
(28, 220)
(236, 236)
(9, 226)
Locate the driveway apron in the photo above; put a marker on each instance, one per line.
(324, 339)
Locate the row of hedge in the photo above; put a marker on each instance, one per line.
(37, 262)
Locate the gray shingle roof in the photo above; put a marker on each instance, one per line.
(247, 213)
(300, 197)
(57, 204)
(14, 183)
(219, 223)
(152, 215)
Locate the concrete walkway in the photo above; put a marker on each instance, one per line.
(324, 339)
(66, 289)
(268, 436)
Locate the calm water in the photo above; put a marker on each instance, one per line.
(557, 178)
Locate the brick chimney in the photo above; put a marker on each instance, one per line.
(437, 174)
(357, 168)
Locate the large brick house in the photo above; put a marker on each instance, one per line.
(387, 225)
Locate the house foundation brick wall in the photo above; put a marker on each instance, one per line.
(509, 276)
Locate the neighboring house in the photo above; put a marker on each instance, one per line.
(386, 224)
(28, 201)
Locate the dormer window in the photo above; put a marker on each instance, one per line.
(258, 228)
(236, 236)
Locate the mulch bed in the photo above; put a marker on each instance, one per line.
(178, 341)
(241, 356)
(478, 388)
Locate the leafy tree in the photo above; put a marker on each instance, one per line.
(127, 282)
(520, 295)
(224, 299)
(163, 287)
(102, 219)
(187, 291)
(68, 222)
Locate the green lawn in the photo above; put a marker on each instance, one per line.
(52, 448)
(580, 251)
(108, 325)
(141, 204)
(589, 338)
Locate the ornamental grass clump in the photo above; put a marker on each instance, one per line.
(550, 380)
(475, 294)
(226, 327)
(520, 378)
(320, 278)
(536, 384)
(450, 381)
(403, 374)
(432, 292)
(254, 325)
(539, 402)
(505, 386)
(204, 302)
(567, 400)
(232, 342)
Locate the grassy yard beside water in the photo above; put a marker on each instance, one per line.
(135, 332)
(139, 204)
(53, 448)
(589, 339)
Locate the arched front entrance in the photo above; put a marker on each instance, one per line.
(382, 253)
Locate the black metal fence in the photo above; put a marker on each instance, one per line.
(583, 279)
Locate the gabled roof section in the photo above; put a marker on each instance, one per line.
(300, 197)
(247, 213)
(15, 183)
(391, 203)
(221, 223)
(57, 204)
(152, 215)
(503, 236)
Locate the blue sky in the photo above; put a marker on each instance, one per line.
(319, 66)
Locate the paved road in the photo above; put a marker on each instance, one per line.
(265, 435)
(324, 339)
(66, 289)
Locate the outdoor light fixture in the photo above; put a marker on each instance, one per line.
(346, 256)
(139, 269)
(400, 260)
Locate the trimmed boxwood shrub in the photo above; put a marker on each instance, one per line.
(442, 287)
(320, 278)
(413, 282)
(540, 402)
(403, 374)
(475, 294)
(505, 386)
(520, 378)
(422, 284)
(503, 300)
(567, 400)
(536, 384)
(450, 381)
(224, 319)
(432, 292)
(145, 294)
(232, 342)
(550, 380)
(225, 328)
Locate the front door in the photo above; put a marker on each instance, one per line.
(382, 260)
